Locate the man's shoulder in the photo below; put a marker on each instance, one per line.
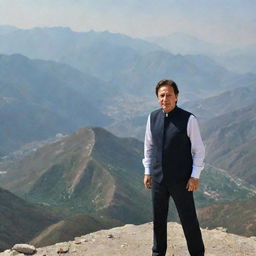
(185, 112)
(156, 114)
(156, 111)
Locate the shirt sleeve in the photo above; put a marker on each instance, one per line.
(197, 146)
(148, 149)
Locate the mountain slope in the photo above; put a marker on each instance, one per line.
(71, 227)
(237, 217)
(40, 98)
(20, 220)
(230, 141)
(90, 171)
(99, 174)
(223, 103)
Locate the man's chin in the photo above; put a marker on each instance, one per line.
(166, 109)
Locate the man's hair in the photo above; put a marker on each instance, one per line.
(167, 82)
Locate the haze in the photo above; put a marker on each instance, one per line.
(219, 21)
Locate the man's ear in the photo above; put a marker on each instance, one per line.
(177, 96)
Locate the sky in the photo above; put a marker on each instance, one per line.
(231, 22)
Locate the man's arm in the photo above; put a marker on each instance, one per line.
(197, 151)
(148, 156)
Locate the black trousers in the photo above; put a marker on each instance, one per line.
(184, 203)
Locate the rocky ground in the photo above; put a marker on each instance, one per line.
(136, 240)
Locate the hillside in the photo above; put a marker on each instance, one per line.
(96, 173)
(41, 98)
(69, 228)
(230, 215)
(230, 140)
(90, 171)
(20, 220)
(137, 240)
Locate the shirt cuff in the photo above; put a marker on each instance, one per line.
(195, 173)
(147, 171)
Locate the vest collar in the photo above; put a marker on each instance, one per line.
(167, 114)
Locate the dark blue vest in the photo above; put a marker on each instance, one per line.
(172, 146)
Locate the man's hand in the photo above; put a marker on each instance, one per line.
(147, 181)
(193, 184)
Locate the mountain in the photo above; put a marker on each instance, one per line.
(6, 29)
(41, 98)
(92, 52)
(20, 220)
(128, 64)
(230, 140)
(90, 171)
(223, 103)
(237, 217)
(238, 60)
(180, 43)
(129, 67)
(94, 180)
(96, 173)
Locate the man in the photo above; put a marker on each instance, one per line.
(173, 159)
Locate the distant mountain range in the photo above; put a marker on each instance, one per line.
(238, 60)
(180, 43)
(114, 86)
(223, 103)
(127, 64)
(41, 98)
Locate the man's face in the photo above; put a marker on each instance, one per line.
(167, 98)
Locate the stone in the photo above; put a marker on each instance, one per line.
(63, 247)
(221, 229)
(124, 245)
(24, 248)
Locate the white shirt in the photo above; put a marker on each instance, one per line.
(197, 148)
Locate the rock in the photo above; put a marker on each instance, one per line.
(110, 236)
(221, 229)
(63, 247)
(124, 245)
(24, 248)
